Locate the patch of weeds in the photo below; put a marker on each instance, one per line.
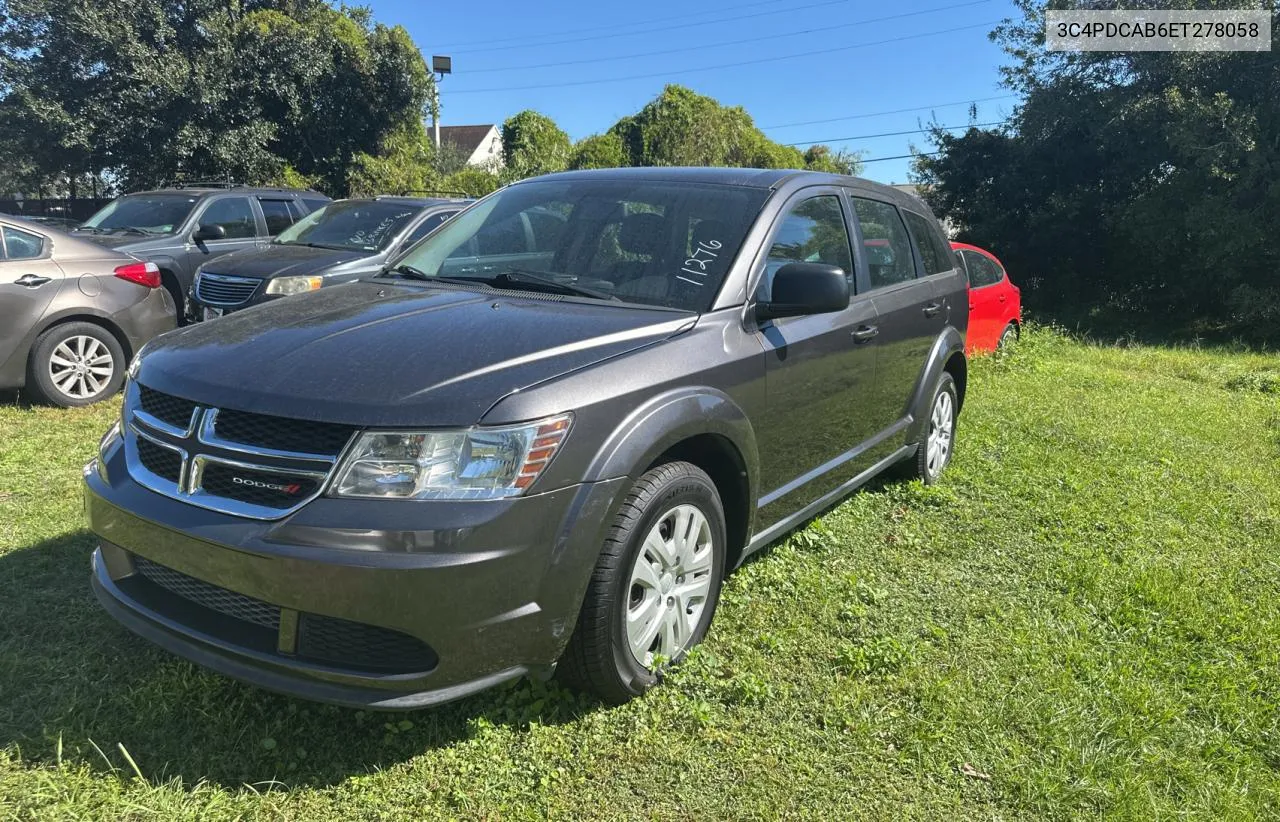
(1261, 381)
(877, 657)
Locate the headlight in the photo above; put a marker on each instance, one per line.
(294, 285)
(473, 464)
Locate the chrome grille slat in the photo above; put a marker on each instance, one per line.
(224, 289)
(217, 472)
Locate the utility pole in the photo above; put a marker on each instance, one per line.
(440, 66)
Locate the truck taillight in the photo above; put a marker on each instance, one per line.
(147, 274)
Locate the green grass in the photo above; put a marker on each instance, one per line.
(1082, 620)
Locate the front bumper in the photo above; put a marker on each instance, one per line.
(380, 604)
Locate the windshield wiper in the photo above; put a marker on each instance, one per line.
(317, 245)
(516, 277)
(408, 272)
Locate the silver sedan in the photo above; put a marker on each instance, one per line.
(72, 313)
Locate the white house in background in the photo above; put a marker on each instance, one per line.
(482, 144)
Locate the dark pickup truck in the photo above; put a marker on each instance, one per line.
(539, 438)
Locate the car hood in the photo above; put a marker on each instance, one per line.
(117, 241)
(377, 353)
(282, 261)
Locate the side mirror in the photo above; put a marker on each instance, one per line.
(806, 288)
(205, 233)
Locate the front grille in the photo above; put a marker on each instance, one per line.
(265, 488)
(165, 407)
(363, 647)
(213, 597)
(282, 434)
(161, 461)
(220, 289)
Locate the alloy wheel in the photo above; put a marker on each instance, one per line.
(669, 586)
(81, 367)
(942, 423)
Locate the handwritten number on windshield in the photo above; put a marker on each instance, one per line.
(697, 265)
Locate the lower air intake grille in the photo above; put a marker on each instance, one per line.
(362, 647)
(209, 595)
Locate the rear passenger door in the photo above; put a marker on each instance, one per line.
(910, 315)
(820, 376)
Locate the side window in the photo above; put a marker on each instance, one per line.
(280, 215)
(884, 238)
(505, 237)
(233, 214)
(982, 271)
(935, 254)
(313, 204)
(426, 227)
(547, 226)
(813, 231)
(21, 245)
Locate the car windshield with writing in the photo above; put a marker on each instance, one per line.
(144, 213)
(350, 225)
(651, 243)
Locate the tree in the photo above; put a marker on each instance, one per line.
(1141, 183)
(471, 181)
(599, 151)
(533, 144)
(823, 158)
(150, 90)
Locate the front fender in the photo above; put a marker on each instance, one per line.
(668, 419)
(949, 343)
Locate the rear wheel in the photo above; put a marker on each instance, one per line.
(76, 364)
(655, 586)
(1007, 337)
(936, 442)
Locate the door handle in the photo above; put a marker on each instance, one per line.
(31, 281)
(865, 333)
(1002, 298)
(932, 309)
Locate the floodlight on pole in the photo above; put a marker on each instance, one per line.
(441, 64)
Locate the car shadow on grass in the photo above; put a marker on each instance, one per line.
(75, 685)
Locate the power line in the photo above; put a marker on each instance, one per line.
(893, 111)
(527, 37)
(756, 62)
(702, 46)
(891, 134)
(664, 27)
(900, 157)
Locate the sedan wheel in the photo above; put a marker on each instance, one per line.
(81, 367)
(75, 364)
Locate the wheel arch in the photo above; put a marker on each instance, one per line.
(85, 315)
(699, 425)
(947, 355)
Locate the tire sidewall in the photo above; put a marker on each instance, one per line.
(685, 490)
(946, 384)
(38, 371)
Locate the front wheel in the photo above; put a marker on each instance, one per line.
(655, 586)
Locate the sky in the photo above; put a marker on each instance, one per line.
(855, 64)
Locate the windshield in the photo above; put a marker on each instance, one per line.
(353, 225)
(655, 243)
(149, 213)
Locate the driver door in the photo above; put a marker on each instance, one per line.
(237, 217)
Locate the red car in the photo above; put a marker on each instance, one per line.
(995, 304)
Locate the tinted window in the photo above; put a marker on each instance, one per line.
(427, 226)
(982, 270)
(20, 245)
(621, 237)
(934, 253)
(812, 232)
(280, 215)
(884, 238)
(314, 204)
(355, 225)
(149, 213)
(232, 213)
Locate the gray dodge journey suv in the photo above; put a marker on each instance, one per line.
(541, 437)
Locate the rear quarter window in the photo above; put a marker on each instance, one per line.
(934, 252)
